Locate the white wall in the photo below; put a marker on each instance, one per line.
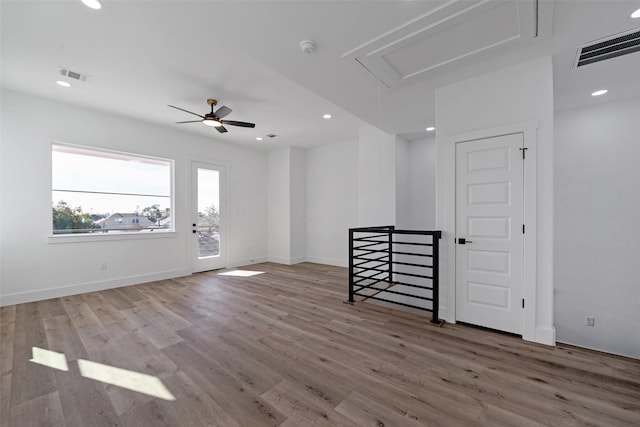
(415, 182)
(597, 240)
(422, 184)
(395, 177)
(508, 99)
(403, 196)
(376, 178)
(32, 268)
(287, 205)
(298, 186)
(332, 201)
(279, 210)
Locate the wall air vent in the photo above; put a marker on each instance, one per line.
(612, 47)
(74, 75)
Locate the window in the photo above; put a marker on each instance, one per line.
(98, 191)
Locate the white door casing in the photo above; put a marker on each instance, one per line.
(208, 243)
(536, 313)
(489, 232)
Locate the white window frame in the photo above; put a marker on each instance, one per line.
(132, 235)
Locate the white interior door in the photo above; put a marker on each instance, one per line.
(207, 217)
(489, 232)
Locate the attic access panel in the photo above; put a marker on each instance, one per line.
(450, 32)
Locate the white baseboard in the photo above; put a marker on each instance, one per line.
(247, 261)
(317, 260)
(546, 335)
(329, 261)
(278, 260)
(63, 291)
(286, 261)
(601, 350)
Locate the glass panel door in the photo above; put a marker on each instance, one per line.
(208, 182)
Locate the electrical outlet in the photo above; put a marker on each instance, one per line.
(103, 265)
(590, 321)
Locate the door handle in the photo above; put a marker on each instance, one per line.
(463, 241)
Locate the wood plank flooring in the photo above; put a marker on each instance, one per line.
(281, 348)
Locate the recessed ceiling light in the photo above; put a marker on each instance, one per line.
(93, 4)
(326, 116)
(259, 138)
(63, 83)
(599, 92)
(636, 14)
(430, 129)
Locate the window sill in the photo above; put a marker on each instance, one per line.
(100, 237)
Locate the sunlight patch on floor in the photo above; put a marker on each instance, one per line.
(241, 273)
(130, 380)
(49, 358)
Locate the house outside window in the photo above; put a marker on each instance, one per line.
(99, 191)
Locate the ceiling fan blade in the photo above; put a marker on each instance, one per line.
(223, 111)
(241, 124)
(186, 111)
(191, 121)
(221, 129)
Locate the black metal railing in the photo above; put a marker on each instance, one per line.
(395, 266)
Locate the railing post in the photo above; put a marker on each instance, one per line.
(391, 229)
(351, 299)
(435, 282)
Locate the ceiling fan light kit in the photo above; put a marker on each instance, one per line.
(214, 119)
(210, 121)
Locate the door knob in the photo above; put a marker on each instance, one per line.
(463, 241)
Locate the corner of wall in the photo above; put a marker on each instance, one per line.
(546, 335)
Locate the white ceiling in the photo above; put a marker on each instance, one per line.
(143, 55)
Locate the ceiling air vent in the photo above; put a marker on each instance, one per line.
(618, 45)
(74, 75)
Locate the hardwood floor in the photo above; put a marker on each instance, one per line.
(281, 348)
